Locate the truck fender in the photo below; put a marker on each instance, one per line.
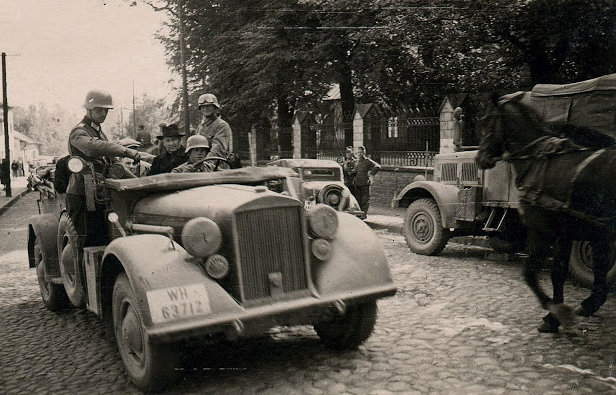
(152, 264)
(446, 197)
(357, 261)
(44, 228)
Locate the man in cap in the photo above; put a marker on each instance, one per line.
(145, 140)
(217, 131)
(88, 141)
(138, 169)
(197, 149)
(173, 154)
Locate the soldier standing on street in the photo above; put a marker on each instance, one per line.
(365, 169)
(88, 141)
(173, 154)
(217, 131)
(348, 169)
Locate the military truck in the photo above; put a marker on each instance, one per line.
(462, 200)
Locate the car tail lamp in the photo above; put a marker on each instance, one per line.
(321, 249)
(201, 237)
(75, 164)
(216, 266)
(322, 221)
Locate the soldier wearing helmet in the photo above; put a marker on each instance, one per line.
(88, 141)
(217, 131)
(197, 148)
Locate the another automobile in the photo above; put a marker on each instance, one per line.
(322, 182)
(206, 255)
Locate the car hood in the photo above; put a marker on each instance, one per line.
(217, 202)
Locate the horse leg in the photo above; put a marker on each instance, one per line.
(601, 260)
(558, 312)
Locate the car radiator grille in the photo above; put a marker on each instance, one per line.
(271, 261)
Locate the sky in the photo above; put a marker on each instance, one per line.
(58, 50)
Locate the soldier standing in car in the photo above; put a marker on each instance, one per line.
(215, 129)
(88, 141)
(173, 154)
(365, 170)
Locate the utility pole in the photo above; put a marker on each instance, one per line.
(185, 114)
(7, 150)
(134, 114)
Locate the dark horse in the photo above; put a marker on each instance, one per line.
(567, 181)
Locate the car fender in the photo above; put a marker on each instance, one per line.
(151, 263)
(446, 197)
(44, 228)
(357, 261)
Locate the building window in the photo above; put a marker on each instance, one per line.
(392, 128)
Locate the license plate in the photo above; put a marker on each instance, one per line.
(176, 303)
(308, 204)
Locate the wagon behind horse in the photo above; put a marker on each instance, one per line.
(565, 174)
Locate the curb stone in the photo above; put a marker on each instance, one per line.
(12, 201)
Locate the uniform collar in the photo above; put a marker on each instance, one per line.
(209, 120)
(91, 124)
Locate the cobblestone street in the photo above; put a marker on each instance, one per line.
(459, 324)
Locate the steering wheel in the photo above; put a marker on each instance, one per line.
(218, 159)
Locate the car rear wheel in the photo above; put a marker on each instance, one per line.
(151, 367)
(581, 263)
(70, 262)
(423, 229)
(347, 331)
(53, 295)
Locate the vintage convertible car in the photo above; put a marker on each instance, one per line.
(323, 182)
(199, 255)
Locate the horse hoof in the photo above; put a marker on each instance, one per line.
(580, 312)
(545, 327)
(564, 314)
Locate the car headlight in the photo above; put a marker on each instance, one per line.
(201, 237)
(321, 249)
(217, 266)
(75, 164)
(335, 196)
(322, 221)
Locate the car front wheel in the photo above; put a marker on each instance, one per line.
(151, 367)
(423, 229)
(581, 263)
(347, 331)
(54, 296)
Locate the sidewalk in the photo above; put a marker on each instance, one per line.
(18, 189)
(386, 218)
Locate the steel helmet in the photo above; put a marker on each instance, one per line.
(99, 99)
(208, 98)
(196, 141)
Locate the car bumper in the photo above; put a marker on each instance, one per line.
(255, 320)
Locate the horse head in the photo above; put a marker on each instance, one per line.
(506, 129)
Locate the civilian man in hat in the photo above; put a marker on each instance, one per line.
(197, 149)
(217, 131)
(88, 141)
(173, 154)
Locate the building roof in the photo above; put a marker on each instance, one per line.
(23, 137)
(363, 109)
(333, 94)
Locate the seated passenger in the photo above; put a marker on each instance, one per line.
(197, 148)
(140, 169)
(173, 153)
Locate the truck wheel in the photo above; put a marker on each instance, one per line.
(423, 229)
(151, 367)
(580, 263)
(349, 330)
(54, 296)
(70, 262)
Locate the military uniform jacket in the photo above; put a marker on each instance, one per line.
(88, 141)
(166, 161)
(363, 168)
(188, 167)
(219, 136)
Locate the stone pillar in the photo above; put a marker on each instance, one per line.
(446, 128)
(297, 138)
(358, 130)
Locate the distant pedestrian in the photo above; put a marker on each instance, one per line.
(348, 168)
(365, 170)
(458, 129)
(15, 169)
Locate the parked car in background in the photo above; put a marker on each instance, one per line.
(322, 182)
(206, 255)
